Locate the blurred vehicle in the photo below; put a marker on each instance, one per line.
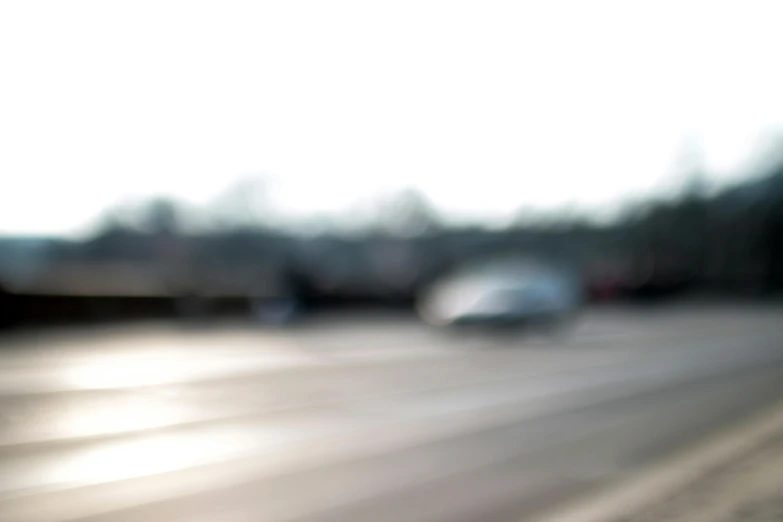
(503, 293)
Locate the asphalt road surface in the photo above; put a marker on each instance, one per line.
(357, 419)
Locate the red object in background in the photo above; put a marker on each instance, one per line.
(604, 288)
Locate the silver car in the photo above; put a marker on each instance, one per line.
(503, 293)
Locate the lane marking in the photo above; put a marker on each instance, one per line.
(674, 474)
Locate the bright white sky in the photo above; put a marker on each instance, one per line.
(485, 106)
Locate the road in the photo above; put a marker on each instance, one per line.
(364, 418)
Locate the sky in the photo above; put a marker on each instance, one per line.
(486, 107)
